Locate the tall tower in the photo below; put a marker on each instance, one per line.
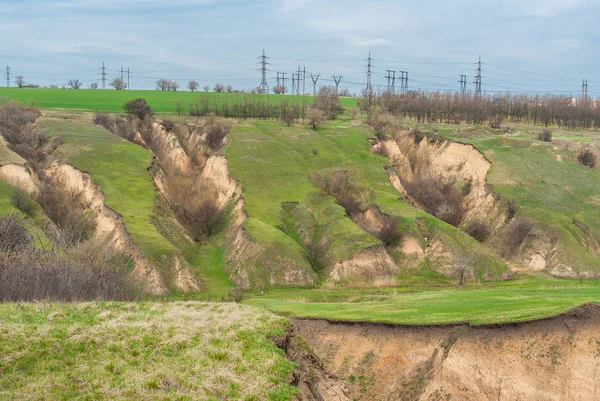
(369, 87)
(478, 78)
(264, 87)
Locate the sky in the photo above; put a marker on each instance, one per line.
(525, 45)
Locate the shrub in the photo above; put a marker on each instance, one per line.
(315, 118)
(389, 233)
(139, 108)
(103, 119)
(168, 125)
(350, 204)
(22, 201)
(288, 115)
(216, 131)
(477, 229)
(327, 102)
(511, 209)
(545, 136)
(438, 197)
(517, 231)
(587, 158)
(13, 235)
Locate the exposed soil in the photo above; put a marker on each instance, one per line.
(550, 359)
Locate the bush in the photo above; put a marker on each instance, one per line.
(517, 231)
(168, 125)
(22, 201)
(13, 235)
(389, 233)
(438, 197)
(545, 136)
(511, 209)
(139, 108)
(587, 158)
(216, 131)
(478, 229)
(103, 119)
(315, 118)
(327, 102)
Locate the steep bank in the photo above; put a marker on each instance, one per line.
(551, 359)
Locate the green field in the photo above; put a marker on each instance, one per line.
(529, 297)
(141, 351)
(113, 100)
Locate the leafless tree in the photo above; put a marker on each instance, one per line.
(20, 81)
(279, 89)
(94, 85)
(192, 86)
(219, 88)
(345, 93)
(587, 157)
(206, 88)
(162, 84)
(463, 269)
(229, 89)
(173, 86)
(118, 84)
(315, 118)
(74, 83)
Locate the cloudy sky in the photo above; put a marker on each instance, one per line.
(526, 45)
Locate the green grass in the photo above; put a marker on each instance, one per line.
(525, 299)
(141, 351)
(112, 100)
(119, 167)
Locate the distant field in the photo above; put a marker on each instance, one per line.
(530, 298)
(113, 100)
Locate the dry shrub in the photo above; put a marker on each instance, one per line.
(314, 117)
(139, 108)
(341, 185)
(327, 102)
(22, 201)
(168, 125)
(517, 231)
(216, 130)
(13, 235)
(69, 210)
(88, 272)
(587, 157)
(288, 115)
(14, 117)
(438, 197)
(477, 229)
(511, 209)
(103, 119)
(545, 136)
(389, 233)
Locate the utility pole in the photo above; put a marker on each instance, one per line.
(584, 87)
(403, 81)
(128, 75)
(391, 81)
(304, 82)
(293, 83)
(7, 73)
(478, 78)
(337, 81)
(463, 83)
(298, 75)
(369, 87)
(264, 87)
(315, 79)
(103, 73)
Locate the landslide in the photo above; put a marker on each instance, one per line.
(551, 359)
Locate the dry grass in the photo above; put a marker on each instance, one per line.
(141, 351)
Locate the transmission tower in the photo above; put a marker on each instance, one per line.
(315, 78)
(264, 87)
(403, 81)
(293, 83)
(584, 90)
(128, 77)
(7, 74)
(103, 73)
(304, 81)
(478, 78)
(391, 81)
(463, 83)
(369, 87)
(298, 76)
(337, 80)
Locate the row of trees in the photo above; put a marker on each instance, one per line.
(454, 108)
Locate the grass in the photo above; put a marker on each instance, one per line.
(112, 100)
(118, 166)
(141, 351)
(527, 298)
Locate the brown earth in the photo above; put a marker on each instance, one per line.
(552, 359)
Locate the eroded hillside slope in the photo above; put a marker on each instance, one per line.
(551, 359)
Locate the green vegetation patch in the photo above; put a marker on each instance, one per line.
(142, 351)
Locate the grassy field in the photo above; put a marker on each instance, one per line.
(529, 297)
(112, 100)
(118, 166)
(141, 351)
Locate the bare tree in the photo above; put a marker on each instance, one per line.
(20, 81)
(229, 88)
(193, 86)
(74, 83)
(463, 268)
(94, 85)
(118, 84)
(206, 88)
(315, 118)
(173, 86)
(219, 88)
(162, 84)
(345, 93)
